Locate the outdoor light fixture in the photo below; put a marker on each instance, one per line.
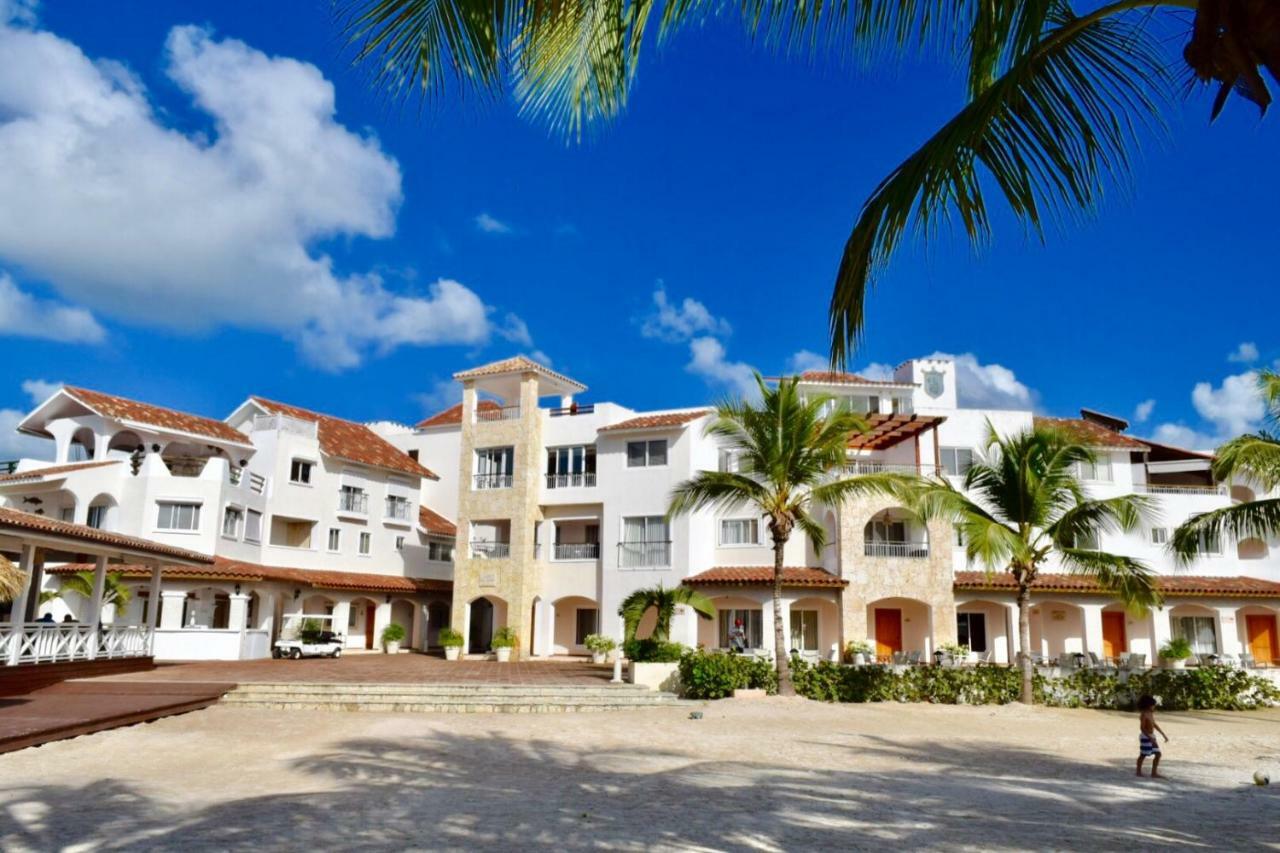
(237, 589)
(155, 448)
(296, 593)
(938, 656)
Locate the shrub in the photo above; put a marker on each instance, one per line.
(1176, 649)
(393, 633)
(858, 647)
(504, 638)
(650, 650)
(449, 638)
(715, 675)
(599, 643)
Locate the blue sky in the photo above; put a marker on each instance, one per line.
(206, 230)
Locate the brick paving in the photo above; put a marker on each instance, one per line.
(378, 669)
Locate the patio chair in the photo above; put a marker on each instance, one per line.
(1094, 660)
(914, 658)
(1247, 661)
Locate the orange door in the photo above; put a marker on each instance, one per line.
(1262, 637)
(368, 626)
(888, 632)
(1113, 640)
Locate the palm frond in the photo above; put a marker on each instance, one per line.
(13, 580)
(719, 490)
(1130, 580)
(1252, 519)
(1050, 134)
(1121, 513)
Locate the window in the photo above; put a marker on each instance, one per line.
(413, 454)
(730, 459)
(1159, 535)
(646, 541)
(366, 540)
(291, 532)
(646, 454)
(397, 507)
(571, 466)
(67, 513)
(494, 467)
(804, 630)
(97, 517)
(1199, 631)
(439, 551)
(741, 629)
(178, 516)
(1088, 541)
(586, 622)
(232, 519)
(335, 539)
(252, 526)
(739, 531)
(352, 499)
(399, 543)
(1099, 469)
(971, 631)
(1210, 544)
(300, 472)
(956, 460)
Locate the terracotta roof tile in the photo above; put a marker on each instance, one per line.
(885, 431)
(757, 575)
(433, 522)
(343, 439)
(834, 377)
(664, 420)
(16, 520)
(121, 408)
(1191, 585)
(453, 415)
(516, 364)
(238, 570)
(1089, 433)
(54, 470)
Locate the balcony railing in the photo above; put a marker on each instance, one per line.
(501, 413)
(490, 550)
(634, 555)
(493, 481)
(873, 467)
(577, 550)
(43, 642)
(397, 508)
(285, 423)
(1170, 489)
(571, 481)
(351, 501)
(896, 549)
(570, 411)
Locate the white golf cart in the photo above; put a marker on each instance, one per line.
(323, 644)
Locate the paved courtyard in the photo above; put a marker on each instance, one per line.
(757, 775)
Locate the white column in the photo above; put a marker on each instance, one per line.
(238, 611)
(342, 621)
(171, 611)
(544, 617)
(17, 617)
(94, 616)
(1228, 631)
(418, 632)
(1161, 631)
(465, 627)
(1012, 640)
(153, 598)
(381, 619)
(766, 612)
(786, 622)
(1093, 628)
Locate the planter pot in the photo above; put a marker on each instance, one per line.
(393, 648)
(503, 654)
(859, 659)
(452, 652)
(1180, 663)
(599, 657)
(655, 676)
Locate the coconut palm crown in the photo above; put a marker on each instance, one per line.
(789, 452)
(1023, 504)
(663, 601)
(114, 589)
(1254, 457)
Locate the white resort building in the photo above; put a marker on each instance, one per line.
(526, 506)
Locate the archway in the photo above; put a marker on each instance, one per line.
(1252, 548)
(739, 624)
(486, 614)
(1057, 629)
(402, 612)
(207, 607)
(576, 616)
(102, 513)
(1198, 625)
(900, 627)
(815, 626)
(437, 619)
(1243, 494)
(895, 532)
(987, 629)
(360, 623)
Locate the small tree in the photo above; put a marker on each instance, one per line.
(664, 601)
(114, 590)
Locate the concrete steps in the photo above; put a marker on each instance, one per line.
(446, 698)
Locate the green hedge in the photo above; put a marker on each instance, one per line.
(652, 651)
(715, 675)
(1200, 688)
(979, 685)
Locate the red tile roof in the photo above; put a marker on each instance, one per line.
(433, 522)
(665, 420)
(237, 570)
(833, 377)
(885, 431)
(54, 470)
(120, 408)
(78, 534)
(758, 575)
(453, 415)
(516, 364)
(1191, 585)
(343, 439)
(1090, 434)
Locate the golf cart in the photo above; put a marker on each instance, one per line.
(320, 644)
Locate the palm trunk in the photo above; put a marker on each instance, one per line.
(779, 637)
(1024, 642)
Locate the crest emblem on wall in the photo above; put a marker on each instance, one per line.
(933, 383)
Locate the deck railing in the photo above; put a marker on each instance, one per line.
(398, 508)
(1169, 489)
(577, 550)
(56, 642)
(896, 549)
(490, 550)
(873, 467)
(353, 501)
(566, 481)
(493, 481)
(501, 413)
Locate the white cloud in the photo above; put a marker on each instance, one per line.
(21, 12)
(1232, 408)
(23, 315)
(1142, 412)
(988, 386)
(442, 394)
(491, 225)
(1180, 435)
(132, 218)
(14, 445)
(39, 390)
(707, 359)
(877, 371)
(805, 360)
(516, 330)
(676, 322)
(1246, 353)
(541, 357)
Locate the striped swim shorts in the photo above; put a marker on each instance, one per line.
(1147, 744)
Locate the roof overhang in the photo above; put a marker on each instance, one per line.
(885, 431)
(19, 528)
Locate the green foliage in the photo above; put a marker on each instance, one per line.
(1177, 648)
(310, 630)
(114, 589)
(449, 638)
(650, 650)
(599, 643)
(858, 647)
(715, 675)
(393, 633)
(664, 601)
(504, 638)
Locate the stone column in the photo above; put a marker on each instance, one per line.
(94, 615)
(1092, 614)
(418, 631)
(1012, 640)
(766, 611)
(1228, 630)
(381, 619)
(171, 613)
(342, 620)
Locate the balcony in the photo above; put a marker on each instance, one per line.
(497, 413)
(353, 501)
(874, 467)
(576, 551)
(913, 550)
(490, 550)
(397, 509)
(571, 481)
(635, 555)
(492, 481)
(1170, 489)
(575, 409)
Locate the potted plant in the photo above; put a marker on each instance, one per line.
(452, 642)
(858, 652)
(599, 645)
(1175, 653)
(954, 652)
(504, 640)
(392, 635)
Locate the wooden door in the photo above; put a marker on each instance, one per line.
(369, 611)
(1113, 635)
(888, 632)
(1262, 637)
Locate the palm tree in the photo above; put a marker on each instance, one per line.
(664, 601)
(788, 451)
(114, 590)
(1028, 505)
(1054, 104)
(1256, 457)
